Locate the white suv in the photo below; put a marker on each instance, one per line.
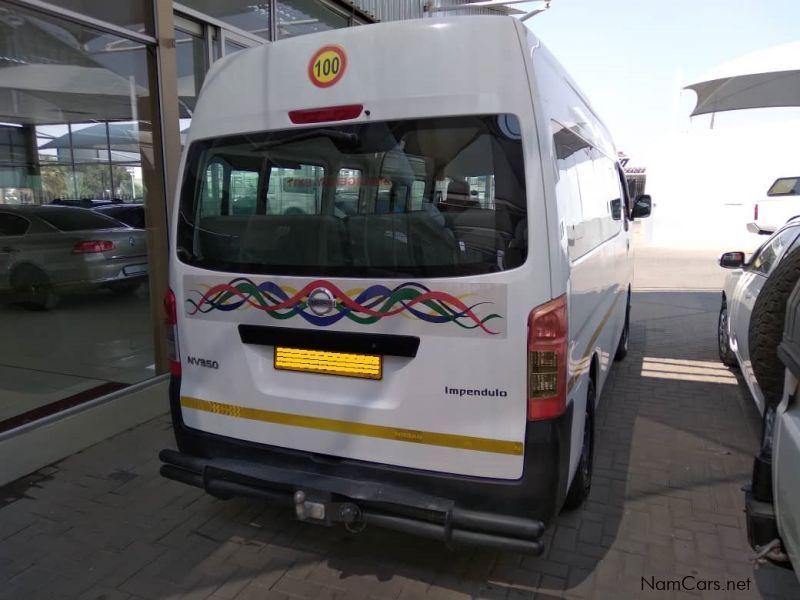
(781, 204)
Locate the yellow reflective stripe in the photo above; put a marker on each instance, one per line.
(590, 346)
(448, 440)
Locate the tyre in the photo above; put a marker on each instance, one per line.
(622, 347)
(766, 326)
(726, 355)
(32, 288)
(582, 482)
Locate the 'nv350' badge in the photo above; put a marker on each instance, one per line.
(327, 66)
(321, 301)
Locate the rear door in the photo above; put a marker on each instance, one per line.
(352, 311)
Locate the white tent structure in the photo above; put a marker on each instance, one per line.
(762, 79)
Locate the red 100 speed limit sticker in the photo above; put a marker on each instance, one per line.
(327, 66)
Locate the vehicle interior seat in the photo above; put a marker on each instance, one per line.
(397, 240)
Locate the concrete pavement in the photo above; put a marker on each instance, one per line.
(676, 433)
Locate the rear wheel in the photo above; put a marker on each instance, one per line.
(582, 482)
(726, 355)
(32, 288)
(766, 326)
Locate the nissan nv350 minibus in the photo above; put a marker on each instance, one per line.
(400, 270)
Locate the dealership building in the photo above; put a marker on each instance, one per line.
(96, 97)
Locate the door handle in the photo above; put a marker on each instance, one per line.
(8, 249)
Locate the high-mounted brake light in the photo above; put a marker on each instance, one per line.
(92, 246)
(323, 115)
(171, 321)
(547, 360)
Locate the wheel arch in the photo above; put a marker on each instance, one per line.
(26, 264)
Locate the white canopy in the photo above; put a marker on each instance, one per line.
(766, 78)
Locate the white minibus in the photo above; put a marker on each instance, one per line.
(409, 321)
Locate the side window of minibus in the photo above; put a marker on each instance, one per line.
(384, 196)
(417, 195)
(213, 189)
(295, 190)
(243, 192)
(594, 204)
(625, 199)
(348, 185)
(569, 149)
(613, 191)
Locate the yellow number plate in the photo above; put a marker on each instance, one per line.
(365, 366)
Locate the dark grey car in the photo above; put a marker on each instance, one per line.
(49, 250)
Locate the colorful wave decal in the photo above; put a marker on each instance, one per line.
(367, 307)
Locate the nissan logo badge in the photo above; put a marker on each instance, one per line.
(321, 301)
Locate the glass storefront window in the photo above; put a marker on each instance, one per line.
(75, 138)
(192, 63)
(131, 14)
(246, 15)
(231, 47)
(298, 17)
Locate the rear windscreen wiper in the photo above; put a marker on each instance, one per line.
(333, 134)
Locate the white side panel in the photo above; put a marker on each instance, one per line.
(597, 281)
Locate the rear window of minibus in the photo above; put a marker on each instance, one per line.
(410, 198)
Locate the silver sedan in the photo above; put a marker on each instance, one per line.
(49, 250)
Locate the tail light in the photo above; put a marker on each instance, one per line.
(755, 213)
(92, 246)
(171, 321)
(547, 360)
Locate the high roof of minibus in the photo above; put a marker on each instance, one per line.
(403, 69)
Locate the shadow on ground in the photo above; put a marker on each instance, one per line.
(674, 443)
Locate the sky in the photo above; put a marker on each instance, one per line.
(631, 57)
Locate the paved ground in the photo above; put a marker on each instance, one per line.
(676, 435)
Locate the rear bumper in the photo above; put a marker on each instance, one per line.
(508, 514)
(327, 500)
(760, 229)
(106, 272)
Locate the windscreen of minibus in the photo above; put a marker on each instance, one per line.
(433, 197)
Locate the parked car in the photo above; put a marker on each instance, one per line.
(49, 250)
(130, 214)
(399, 367)
(747, 332)
(781, 204)
(771, 500)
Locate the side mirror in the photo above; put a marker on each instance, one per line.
(731, 260)
(642, 207)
